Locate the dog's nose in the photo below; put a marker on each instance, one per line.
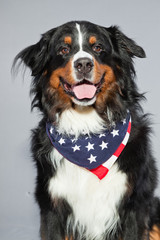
(83, 65)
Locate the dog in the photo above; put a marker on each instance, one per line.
(96, 175)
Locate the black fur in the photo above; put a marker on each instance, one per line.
(139, 210)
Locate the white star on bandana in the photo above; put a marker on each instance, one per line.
(101, 135)
(90, 146)
(76, 148)
(51, 130)
(103, 145)
(124, 121)
(115, 133)
(92, 158)
(61, 141)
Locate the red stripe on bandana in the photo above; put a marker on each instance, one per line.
(129, 127)
(119, 150)
(100, 171)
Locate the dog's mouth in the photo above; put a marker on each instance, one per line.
(84, 90)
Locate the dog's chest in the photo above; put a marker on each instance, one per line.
(94, 202)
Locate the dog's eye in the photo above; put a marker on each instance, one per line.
(64, 51)
(97, 48)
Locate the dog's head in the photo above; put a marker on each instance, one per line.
(84, 64)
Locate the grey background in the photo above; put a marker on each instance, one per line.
(21, 23)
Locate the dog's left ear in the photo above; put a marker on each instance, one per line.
(123, 44)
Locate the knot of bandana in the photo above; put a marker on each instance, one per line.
(97, 152)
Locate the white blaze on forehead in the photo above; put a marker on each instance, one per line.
(81, 53)
(80, 37)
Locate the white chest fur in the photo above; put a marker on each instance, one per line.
(94, 202)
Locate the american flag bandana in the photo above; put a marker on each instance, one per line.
(96, 152)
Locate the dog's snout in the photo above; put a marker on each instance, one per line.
(83, 65)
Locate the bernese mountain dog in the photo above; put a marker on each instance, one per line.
(96, 175)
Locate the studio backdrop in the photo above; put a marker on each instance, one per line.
(21, 24)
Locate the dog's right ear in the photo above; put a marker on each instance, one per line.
(36, 56)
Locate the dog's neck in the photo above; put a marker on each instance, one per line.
(80, 120)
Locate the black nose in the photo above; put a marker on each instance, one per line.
(84, 65)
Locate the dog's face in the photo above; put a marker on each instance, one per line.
(80, 63)
(82, 52)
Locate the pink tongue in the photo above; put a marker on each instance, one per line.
(84, 91)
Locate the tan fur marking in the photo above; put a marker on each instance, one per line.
(100, 70)
(109, 87)
(155, 233)
(67, 238)
(65, 73)
(68, 40)
(45, 73)
(92, 40)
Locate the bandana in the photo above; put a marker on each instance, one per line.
(96, 152)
